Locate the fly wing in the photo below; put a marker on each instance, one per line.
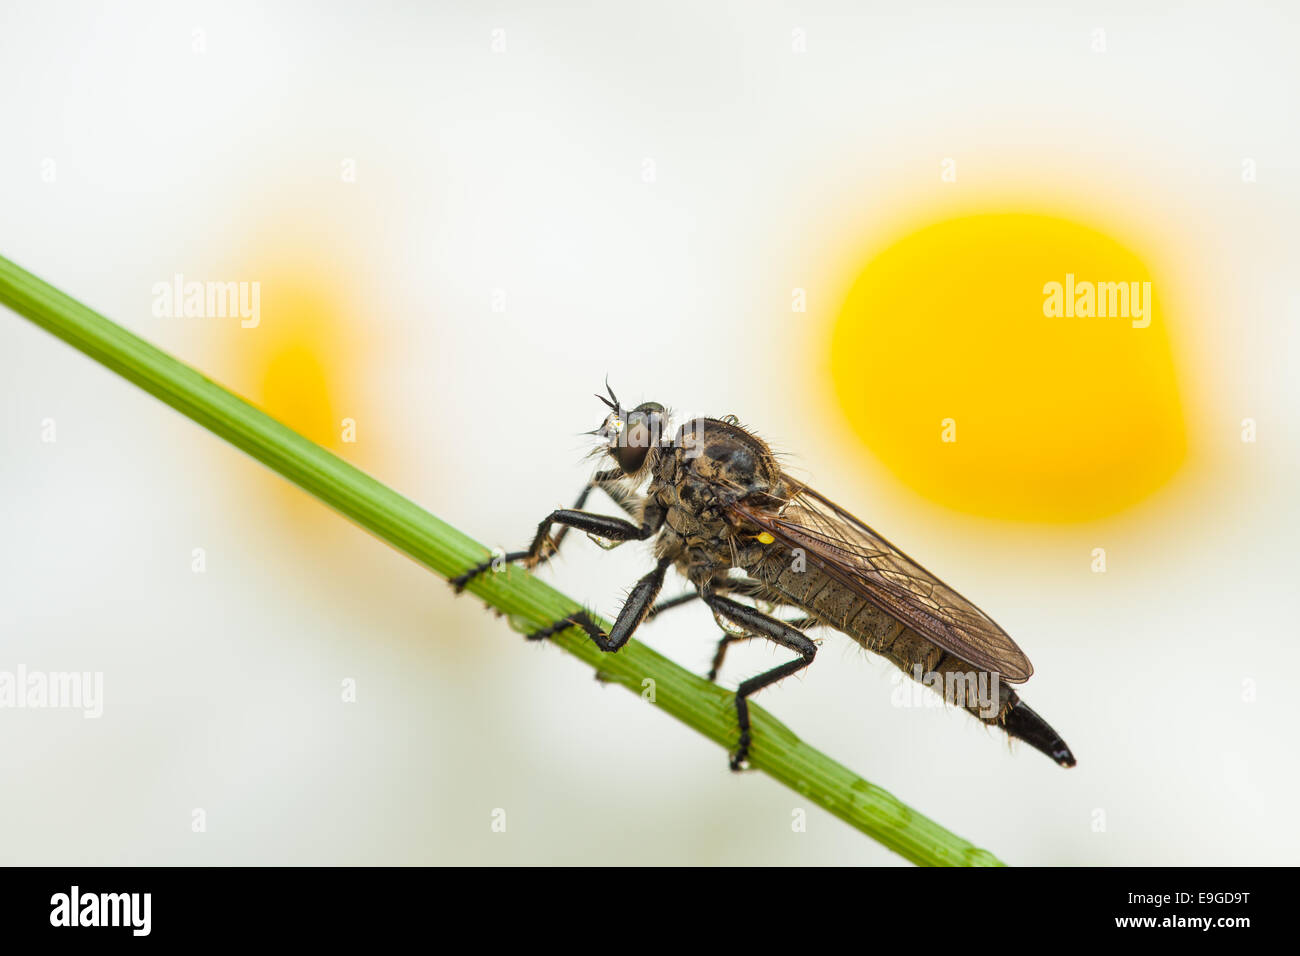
(866, 563)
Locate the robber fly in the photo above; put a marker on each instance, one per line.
(744, 533)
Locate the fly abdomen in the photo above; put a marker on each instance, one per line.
(820, 595)
(980, 693)
(1023, 723)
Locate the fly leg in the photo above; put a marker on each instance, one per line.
(720, 654)
(727, 638)
(669, 604)
(803, 623)
(723, 586)
(798, 623)
(633, 613)
(544, 547)
(607, 481)
(759, 624)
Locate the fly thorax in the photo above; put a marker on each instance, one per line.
(695, 511)
(733, 461)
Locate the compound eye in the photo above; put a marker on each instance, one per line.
(637, 433)
(633, 439)
(630, 458)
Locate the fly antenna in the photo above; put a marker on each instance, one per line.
(615, 405)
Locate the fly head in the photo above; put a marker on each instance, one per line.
(629, 435)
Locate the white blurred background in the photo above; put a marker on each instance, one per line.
(463, 214)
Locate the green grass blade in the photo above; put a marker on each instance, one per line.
(526, 600)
